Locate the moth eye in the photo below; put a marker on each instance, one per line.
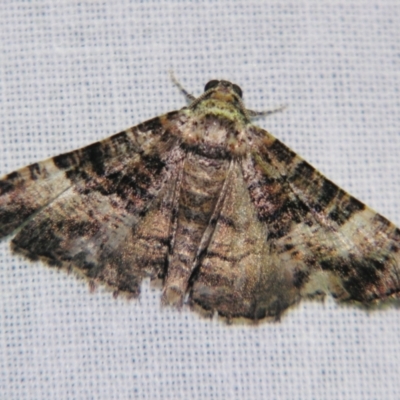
(210, 85)
(237, 89)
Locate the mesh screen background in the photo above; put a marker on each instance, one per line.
(74, 72)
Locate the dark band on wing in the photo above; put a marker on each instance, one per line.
(6, 186)
(363, 277)
(34, 170)
(345, 209)
(275, 203)
(282, 152)
(321, 194)
(9, 182)
(328, 192)
(97, 154)
(303, 173)
(154, 126)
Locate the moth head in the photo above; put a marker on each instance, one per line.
(223, 90)
(227, 92)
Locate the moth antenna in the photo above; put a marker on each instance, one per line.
(255, 114)
(175, 81)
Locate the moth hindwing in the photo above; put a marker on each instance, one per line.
(231, 220)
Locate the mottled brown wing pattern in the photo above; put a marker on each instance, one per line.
(285, 232)
(226, 215)
(327, 240)
(237, 275)
(27, 190)
(98, 210)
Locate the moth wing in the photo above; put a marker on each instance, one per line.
(25, 191)
(238, 274)
(327, 240)
(285, 232)
(105, 209)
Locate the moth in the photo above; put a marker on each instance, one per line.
(230, 220)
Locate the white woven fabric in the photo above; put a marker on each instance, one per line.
(72, 72)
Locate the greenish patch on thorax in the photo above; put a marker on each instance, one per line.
(223, 109)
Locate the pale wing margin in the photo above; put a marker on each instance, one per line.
(336, 243)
